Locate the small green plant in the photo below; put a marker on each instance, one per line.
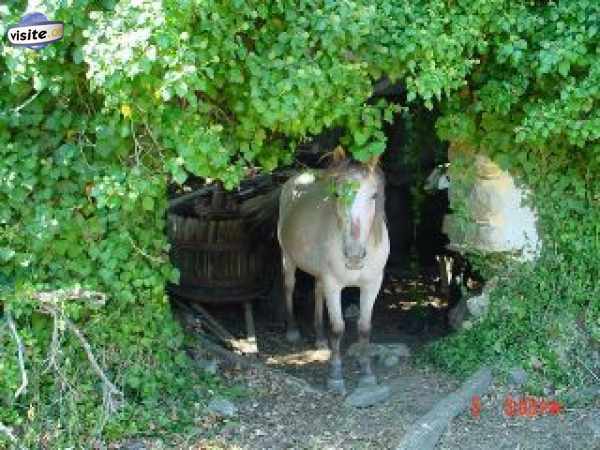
(345, 191)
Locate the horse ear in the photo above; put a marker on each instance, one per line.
(373, 162)
(339, 154)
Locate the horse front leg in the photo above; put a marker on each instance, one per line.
(368, 294)
(335, 381)
(321, 340)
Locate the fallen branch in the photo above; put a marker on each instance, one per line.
(21, 353)
(153, 259)
(76, 293)
(210, 322)
(425, 433)
(110, 390)
(92, 359)
(27, 102)
(8, 432)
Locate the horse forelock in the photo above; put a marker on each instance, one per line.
(349, 168)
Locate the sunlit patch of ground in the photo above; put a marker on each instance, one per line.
(299, 358)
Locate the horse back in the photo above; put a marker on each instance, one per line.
(304, 218)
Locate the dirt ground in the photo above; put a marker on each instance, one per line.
(279, 413)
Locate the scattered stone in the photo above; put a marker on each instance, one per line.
(517, 376)
(593, 423)
(368, 396)
(549, 390)
(391, 361)
(536, 363)
(210, 366)
(457, 315)
(400, 349)
(352, 312)
(222, 407)
(134, 445)
(478, 304)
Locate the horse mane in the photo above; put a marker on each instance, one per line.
(339, 166)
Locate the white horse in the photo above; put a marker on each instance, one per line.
(332, 226)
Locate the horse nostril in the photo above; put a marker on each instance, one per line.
(363, 253)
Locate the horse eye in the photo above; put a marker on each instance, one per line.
(374, 196)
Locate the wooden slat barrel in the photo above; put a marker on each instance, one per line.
(219, 258)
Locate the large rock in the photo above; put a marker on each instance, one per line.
(364, 397)
(210, 366)
(501, 219)
(478, 304)
(222, 407)
(517, 376)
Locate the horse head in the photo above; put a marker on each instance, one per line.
(359, 203)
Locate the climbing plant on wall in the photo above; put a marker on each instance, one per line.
(140, 93)
(532, 105)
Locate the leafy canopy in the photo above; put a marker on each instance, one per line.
(143, 92)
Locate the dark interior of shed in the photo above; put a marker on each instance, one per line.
(416, 295)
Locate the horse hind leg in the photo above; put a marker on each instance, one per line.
(368, 294)
(321, 340)
(289, 282)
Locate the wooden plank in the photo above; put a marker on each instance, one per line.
(251, 344)
(425, 432)
(219, 331)
(173, 203)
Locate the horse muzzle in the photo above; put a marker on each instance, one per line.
(354, 265)
(355, 262)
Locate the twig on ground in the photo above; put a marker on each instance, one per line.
(8, 432)
(154, 259)
(54, 343)
(21, 353)
(592, 373)
(110, 390)
(26, 102)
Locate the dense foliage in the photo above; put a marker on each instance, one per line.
(532, 105)
(142, 92)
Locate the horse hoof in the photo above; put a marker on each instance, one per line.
(321, 344)
(336, 385)
(292, 335)
(367, 381)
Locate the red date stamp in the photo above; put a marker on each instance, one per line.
(525, 406)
